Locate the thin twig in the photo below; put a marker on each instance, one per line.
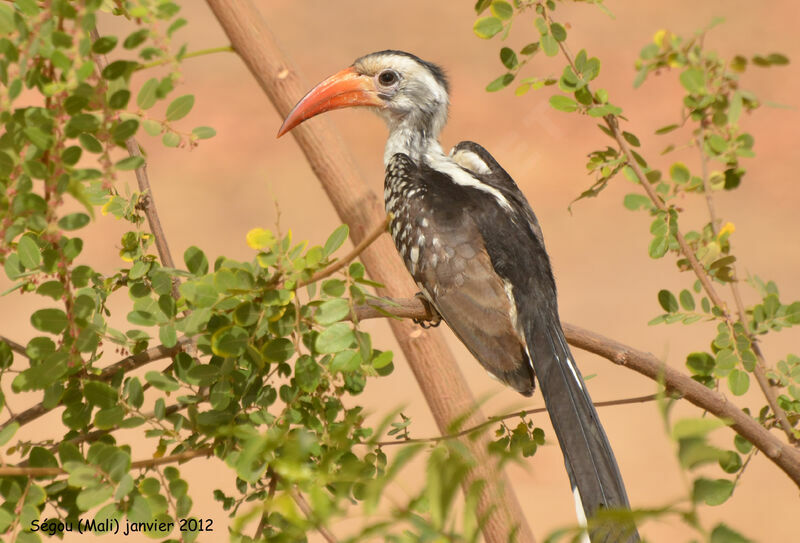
(127, 364)
(750, 456)
(309, 513)
(13, 471)
(16, 347)
(492, 420)
(192, 54)
(706, 183)
(342, 262)
(148, 200)
(760, 369)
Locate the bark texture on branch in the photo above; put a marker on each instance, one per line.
(433, 365)
(782, 454)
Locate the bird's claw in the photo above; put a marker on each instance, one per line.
(436, 318)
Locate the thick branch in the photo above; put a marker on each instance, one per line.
(434, 367)
(785, 456)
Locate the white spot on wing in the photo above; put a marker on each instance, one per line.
(436, 160)
(469, 160)
(580, 514)
(571, 365)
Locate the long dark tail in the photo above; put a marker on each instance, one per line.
(592, 468)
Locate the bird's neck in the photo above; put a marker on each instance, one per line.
(413, 138)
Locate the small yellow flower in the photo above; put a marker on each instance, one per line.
(658, 37)
(726, 230)
(259, 238)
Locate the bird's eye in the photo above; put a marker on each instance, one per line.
(388, 78)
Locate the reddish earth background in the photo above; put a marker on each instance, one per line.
(213, 195)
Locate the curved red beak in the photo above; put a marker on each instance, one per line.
(344, 89)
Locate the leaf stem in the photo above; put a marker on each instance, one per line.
(198, 53)
(499, 418)
(342, 262)
(147, 202)
(759, 371)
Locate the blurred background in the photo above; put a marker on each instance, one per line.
(245, 178)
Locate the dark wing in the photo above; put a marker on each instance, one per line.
(455, 273)
(520, 258)
(477, 160)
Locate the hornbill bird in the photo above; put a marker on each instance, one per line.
(475, 249)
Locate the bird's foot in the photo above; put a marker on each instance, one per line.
(435, 318)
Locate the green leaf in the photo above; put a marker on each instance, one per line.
(110, 417)
(161, 381)
(119, 100)
(117, 69)
(90, 498)
(500, 83)
(148, 94)
(278, 350)
(73, 221)
(180, 107)
(666, 129)
(336, 239)
(168, 335)
(171, 139)
(104, 45)
(49, 320)
(29, 255)
(332, 311)
(8, 432)
(509, 58)
(100, 394)
(722, 534)
(777, 59)
(503, 10)
(667, 301)
(6, 19)
(124, 130)
(230, 341)
(695, 427)
(335, 338)
(700, 363)
(549, 45)
(636, 201)
(605, 109)
(558, 32)
(90, 143)
(687, 300)
(712, 492)
(382, 360)
(679, 172)
(204, 132)
(694, 81)
(738, 381)
(196, 261)
(487, 27)
(658, 247)
(563, 103)
(129, 163)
